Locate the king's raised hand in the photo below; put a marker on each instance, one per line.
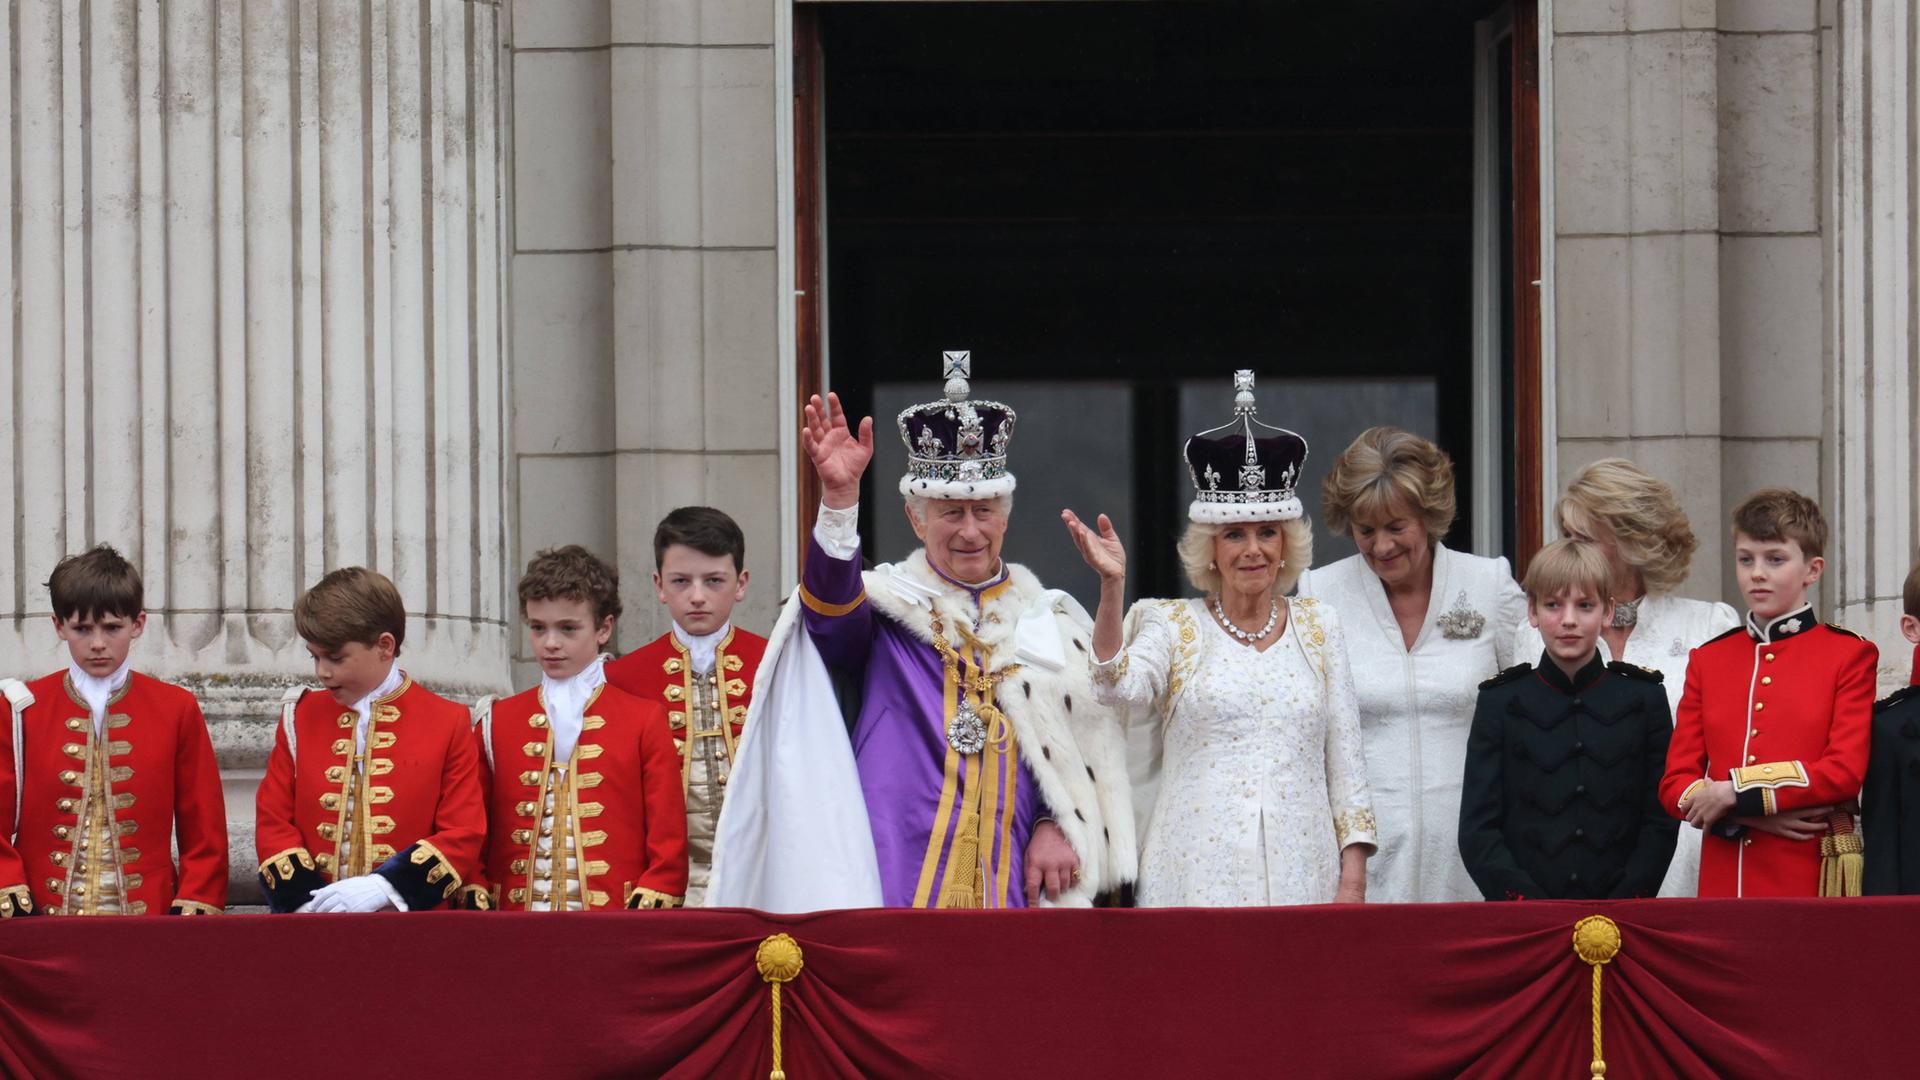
(839, 455)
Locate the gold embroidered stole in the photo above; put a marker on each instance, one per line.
(978, 788)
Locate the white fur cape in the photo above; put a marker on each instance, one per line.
(793, 833)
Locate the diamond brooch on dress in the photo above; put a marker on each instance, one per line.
(1461, 622)
(1626, 613)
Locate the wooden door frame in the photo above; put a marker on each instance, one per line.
(1532, 270)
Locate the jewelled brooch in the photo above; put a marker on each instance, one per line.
(1461, 622)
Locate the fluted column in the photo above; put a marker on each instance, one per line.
(255, 252)
(1872, 49)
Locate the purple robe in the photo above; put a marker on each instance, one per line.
(900, 739)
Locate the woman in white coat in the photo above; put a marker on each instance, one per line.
(1425, 626)
(1635, 519)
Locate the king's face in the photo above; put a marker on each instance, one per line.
(963, 537)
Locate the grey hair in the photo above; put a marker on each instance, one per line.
(917, 505)
(1196, 554)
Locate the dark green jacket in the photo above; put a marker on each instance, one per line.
(1560, 796)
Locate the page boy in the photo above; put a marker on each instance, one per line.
(1559, 797)
(583, 783)
(1773, 725)
(372, 799)
(103, 769)
(701, 670)
(1890, 805)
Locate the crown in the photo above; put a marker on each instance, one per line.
(956, 447)
(1244, 470)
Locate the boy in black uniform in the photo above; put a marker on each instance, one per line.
(1890, 804)
(1559, 800)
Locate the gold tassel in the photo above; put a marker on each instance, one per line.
(779, 961)
(963, 873)
(1596, 940)
(1843, 860)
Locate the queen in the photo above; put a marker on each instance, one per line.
(1242, 697)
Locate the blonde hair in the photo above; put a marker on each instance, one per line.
(1649, 529)
(1196, 553)
(1386, 466)
(1568, 564)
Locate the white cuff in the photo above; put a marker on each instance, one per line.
(393, 894)
(838, 531)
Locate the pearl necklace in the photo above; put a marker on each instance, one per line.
(1273, 619)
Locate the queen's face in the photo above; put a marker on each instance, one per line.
(1249, 557)
(1395, 545)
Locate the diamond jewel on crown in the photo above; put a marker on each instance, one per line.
(1212, 478)
(929, 443)
(1252, 477)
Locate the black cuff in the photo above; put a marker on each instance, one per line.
(289, 880)
(422, 876)
(1751, 802)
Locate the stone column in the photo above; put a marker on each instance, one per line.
(645, 299)
(255, 251)
(1870, 48)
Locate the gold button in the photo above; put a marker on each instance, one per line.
(1766, 680)
(1769, 658)
(1751, 759)
(1748, 841)
(1754, 732)
(1759, 705)
(1766, 770)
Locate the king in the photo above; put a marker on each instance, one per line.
(981, 773)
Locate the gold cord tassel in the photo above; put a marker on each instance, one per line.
(1843, 860)
(779, 961)
(1596, 940)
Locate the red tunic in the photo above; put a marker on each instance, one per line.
(1786, 714)
(424, 819)
(660, 671)
(627, 816)
(161, 784)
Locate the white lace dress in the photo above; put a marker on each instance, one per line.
(1670, 628)
(1262, 775)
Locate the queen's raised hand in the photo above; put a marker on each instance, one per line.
(1102, 550)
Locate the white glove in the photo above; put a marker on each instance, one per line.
(368, 892)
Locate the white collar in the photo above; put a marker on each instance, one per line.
(365, 705)
(96, 691)
(566, 700)
(701, 648)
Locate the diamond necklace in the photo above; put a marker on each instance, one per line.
(1273, 618)
(1626, 613)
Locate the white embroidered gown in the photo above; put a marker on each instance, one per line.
(1416, 707)
(1263, 779)
(1670, 628)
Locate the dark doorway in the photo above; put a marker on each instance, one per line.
(1114, 206)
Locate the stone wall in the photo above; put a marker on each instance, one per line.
(255, 254)
(644, 303)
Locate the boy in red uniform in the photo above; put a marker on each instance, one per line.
(1773, 726)
(102, 769)
(372, 799)
(701, 670)
(1890, 805)
(583, 784)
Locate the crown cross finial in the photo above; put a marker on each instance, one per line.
(956, 366)
(1243, 392)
